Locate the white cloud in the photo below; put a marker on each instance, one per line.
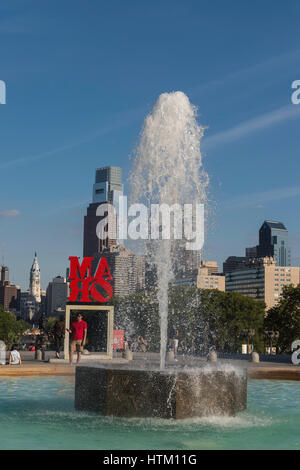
(252, 125)
(273, 66)
(259, 198)
(9, 213)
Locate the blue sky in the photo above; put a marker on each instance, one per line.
(81, 76)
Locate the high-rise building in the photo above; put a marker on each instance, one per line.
(273, 242)
(9, 296)
(204, 277)
(56, 296)
(28, 306)
(4, 273)
(211, 266)
(107, 188)
(185, 262)
(233, 262)
(35, 280)
(262, 279)
(127, 269)
(251, 252)
(209, 278)
(9, 293)
(43, 302)
(108, 185)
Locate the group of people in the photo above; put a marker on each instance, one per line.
(79, 334)
(139, 344)
(78, 331)
(14, 356)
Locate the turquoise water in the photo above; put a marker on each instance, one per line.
(38, 413)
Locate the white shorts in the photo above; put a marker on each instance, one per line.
(175, 343)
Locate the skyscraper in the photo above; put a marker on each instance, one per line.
(273, 242)
(9, 293)
(56, 296)
(4, 273)
(107, 188)
(35, 281)
(127, 269)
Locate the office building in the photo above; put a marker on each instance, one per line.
(262, 279)
(127, 270)
(9, 293)
(251, 252)
(209, 278)
(28, 307)
(107, 188)
(205, 277)
(9, 296)
(4, 274)
(56, 295)
(233, 262)
(273, 242)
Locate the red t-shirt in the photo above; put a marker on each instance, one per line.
(77, 329)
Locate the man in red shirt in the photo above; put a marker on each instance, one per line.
(79, 332)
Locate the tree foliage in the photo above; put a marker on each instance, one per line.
(285, 318)
(202, 317)
(11, 329)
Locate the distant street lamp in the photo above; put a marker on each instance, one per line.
(271, 335)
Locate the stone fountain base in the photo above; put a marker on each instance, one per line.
(178, 394)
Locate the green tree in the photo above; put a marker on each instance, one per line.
(203, 318)
(10, 329)
(49, 327)
(285, 318)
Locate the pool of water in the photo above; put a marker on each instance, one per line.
(38, 413)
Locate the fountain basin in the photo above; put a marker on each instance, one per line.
(177, 393)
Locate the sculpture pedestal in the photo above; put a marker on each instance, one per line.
(165, 394)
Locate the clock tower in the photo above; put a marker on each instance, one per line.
(35, 281)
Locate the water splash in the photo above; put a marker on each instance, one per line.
(167, 169)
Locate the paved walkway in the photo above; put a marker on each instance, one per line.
(262, 370)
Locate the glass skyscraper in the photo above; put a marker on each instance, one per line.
(273, 242)
(107, 188)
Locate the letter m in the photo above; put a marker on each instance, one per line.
(84, 269)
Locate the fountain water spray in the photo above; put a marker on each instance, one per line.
(168, 169)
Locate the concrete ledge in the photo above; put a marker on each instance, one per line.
(264, 371)
(274, 373)
(40, 368)
(88, 358)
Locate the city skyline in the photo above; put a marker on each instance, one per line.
(75, 105)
